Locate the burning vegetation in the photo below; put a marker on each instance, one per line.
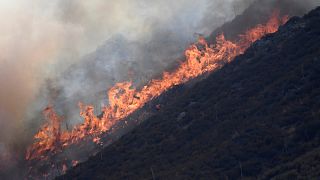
(124, 99)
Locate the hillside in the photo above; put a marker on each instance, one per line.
(257, 117)
(258, 12)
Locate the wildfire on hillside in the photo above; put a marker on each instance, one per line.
(124, 99)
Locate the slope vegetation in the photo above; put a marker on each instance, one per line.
(257, 117)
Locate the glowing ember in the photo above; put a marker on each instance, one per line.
(75, 162)
(125, 99)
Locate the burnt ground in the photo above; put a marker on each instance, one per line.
(257, 117)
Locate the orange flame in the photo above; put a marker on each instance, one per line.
(125, 99)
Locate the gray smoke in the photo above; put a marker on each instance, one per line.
(62, 52)
(147, 38)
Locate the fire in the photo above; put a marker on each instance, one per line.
(124, 99)
(50, 134)
(75, 163)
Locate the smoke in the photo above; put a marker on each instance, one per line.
(62, 52)
(134, 40)
(144, 39)
(306, 5)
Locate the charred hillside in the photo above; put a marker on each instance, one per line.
(257, 117)
(258, 12)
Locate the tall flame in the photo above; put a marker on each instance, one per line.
(124, 99)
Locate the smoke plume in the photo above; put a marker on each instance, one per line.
(62, 52)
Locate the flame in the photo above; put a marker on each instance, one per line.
(125, 99)
(75, 163)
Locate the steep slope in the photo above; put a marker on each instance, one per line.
(259, 12)
(258, 117)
